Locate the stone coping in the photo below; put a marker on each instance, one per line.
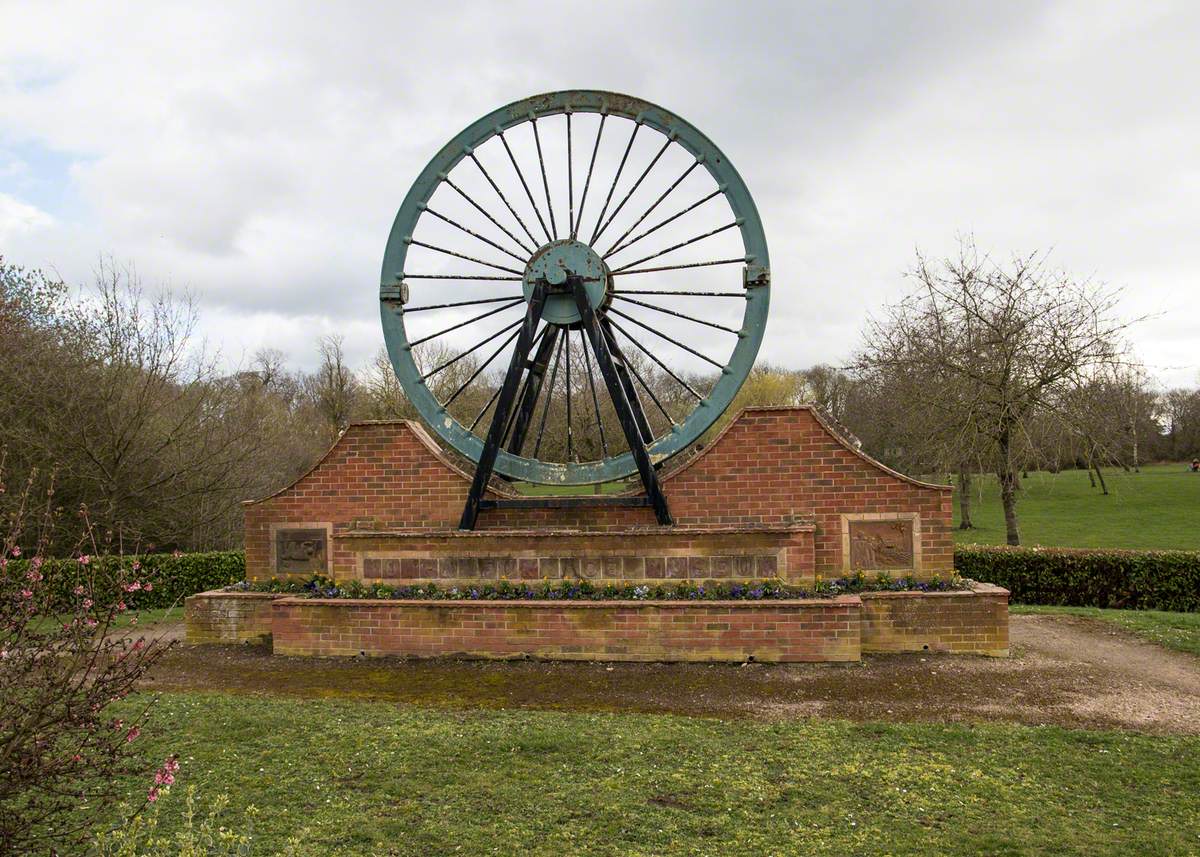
(224, 593)
(975, 588)
(765, 603)
(619, 532)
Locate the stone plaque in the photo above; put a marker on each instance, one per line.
(881, 545)
(300, 551)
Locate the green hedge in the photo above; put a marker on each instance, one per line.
(173, 577)
(1134, 580)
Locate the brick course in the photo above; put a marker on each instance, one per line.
(228, 617)
(776, 631)
(968, 622)
(973, 622)
(774, 475)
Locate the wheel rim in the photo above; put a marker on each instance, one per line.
(501, 253)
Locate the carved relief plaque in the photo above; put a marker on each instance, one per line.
(879, 545)
(298, 551)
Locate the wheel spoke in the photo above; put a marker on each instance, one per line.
(676, 314)
(525, 184)
(537, 139)
(633, 189)
(482, 365)
(570, 183)
(456, 277)
(587, 361)
(659, 226)
(408, 310)
(549, 396)
(470, 350)
(661, 365)
(740, 260)
(680, 294)
(479, 317)
(686, 348)
(650, 210)
(620, 168)
(490, 402)
(488, 215)
(474, 234)
(588, 181)
(674, 247)
(496, 394)
(504, 198)
(646, 387)
(464, 256)
(570, 436)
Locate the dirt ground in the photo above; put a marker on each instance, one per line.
(1064, 670)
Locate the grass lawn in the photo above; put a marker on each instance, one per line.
(1158, 508)
(376, 778)
(1178, 631)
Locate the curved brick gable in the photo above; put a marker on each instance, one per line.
(781, 469)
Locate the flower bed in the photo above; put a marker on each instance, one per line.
(583, 590)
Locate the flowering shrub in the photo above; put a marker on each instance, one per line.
(64, 660)
(583, 590)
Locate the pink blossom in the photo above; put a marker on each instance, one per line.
(149, 587)
(176, 553)
(34, 575)
(16, 551)
(79, 590)
(132, 735)
(25, 593)
(87, 603)
(138, 645)
(37, 562)
(133, 587)
(136, 565)
(77, 758)
(120, 606)
(152, 795)
(92, 623)
(85, 559)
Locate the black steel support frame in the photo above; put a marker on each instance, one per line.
(620, 389)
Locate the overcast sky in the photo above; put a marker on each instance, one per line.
(257, 153)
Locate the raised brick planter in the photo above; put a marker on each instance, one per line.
(229, 617)
(769, 631)
(968, 622)
(974, 621)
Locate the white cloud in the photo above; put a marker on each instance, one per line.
(256, 153)
(17, 219)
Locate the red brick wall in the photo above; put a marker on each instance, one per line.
(228, 617)
(816, 630)
(973, 622)
(771, 467)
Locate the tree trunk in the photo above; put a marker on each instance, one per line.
(964, 500)
(1091, 476)
(1008, 490)
(1100, 476)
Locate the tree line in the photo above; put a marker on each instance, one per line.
(111, 400)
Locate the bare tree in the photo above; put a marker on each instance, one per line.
(334, 388)
(998, 343)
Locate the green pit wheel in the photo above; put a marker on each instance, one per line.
(560, 198)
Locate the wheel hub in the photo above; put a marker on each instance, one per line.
(556, 261)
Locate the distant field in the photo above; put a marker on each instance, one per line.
(1158, 508)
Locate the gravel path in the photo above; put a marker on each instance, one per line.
(1064, 670)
